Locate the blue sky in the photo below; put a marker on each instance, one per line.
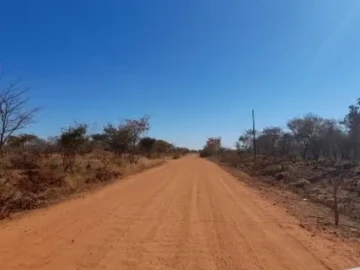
(196, 67)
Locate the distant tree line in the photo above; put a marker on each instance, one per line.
(309, 137)
(127, 137)
(212, 147)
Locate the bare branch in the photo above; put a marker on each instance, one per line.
(14, 114)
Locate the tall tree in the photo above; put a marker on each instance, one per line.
(245, 141)
(352, 122)
(146, 144)
(162, 147)
(15, 114)
(124, 137)
(270, 137)
(213, 145)
(285, 143)
(306, 130)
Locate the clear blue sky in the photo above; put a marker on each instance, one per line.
(197, 67)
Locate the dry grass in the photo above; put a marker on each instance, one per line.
(314, 217)
(29, 181)
(311, 180)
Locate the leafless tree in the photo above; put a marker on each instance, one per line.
(338, 182)
(336, 204)
(14, 112)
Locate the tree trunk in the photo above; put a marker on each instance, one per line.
(355, 152)
(254, 137)
(316, 155)
(336, 207)
(305, 151)
(283, 148)
(1, 149)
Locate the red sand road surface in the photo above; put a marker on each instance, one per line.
(186, 214)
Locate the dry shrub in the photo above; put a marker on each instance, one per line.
(23, 161)
(272, 169)
(16, 194)
(74, 181)
(204, 153)
(232, 158)
(25, 181)
(105, 173)
(39, 179)
(100, 166)
(13, 200)
(132, 159)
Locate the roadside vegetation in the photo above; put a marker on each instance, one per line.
(315, 157)
(36, 171)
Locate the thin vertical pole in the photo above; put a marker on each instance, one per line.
(254, 138)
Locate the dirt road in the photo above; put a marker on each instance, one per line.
(187, 214)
